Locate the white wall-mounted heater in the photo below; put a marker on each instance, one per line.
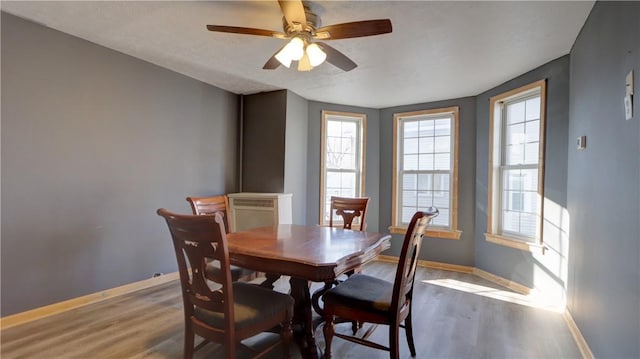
(251, 210)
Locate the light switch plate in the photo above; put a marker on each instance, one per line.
(582, 142)
(628, 107)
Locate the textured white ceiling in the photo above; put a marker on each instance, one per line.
(437, 50)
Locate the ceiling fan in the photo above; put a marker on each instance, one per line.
(302, 28)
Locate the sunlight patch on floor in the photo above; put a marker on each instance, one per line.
(534, 301)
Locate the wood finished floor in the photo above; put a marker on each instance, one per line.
(455, 315)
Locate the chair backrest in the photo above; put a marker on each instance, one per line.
(406, 271)
(211, 205)
(349, 209)
(198, 240)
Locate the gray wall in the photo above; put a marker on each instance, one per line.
(603, 194)
(263, 143)
(93, 142)
(295, 167)
(506, 262)
(372, 162)
(436, 249)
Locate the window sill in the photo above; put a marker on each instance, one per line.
(514, 243)
(444, 234)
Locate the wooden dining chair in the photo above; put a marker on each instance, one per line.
(216, 308)
(211, 205)
(368, 299)
(349, 209)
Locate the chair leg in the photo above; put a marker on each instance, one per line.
(189, 339)
(394, 348)
(408, 329)
(287, 335)
(315, 298)
(328, 335)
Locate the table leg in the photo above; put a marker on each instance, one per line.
(302, 318)
(270, 279)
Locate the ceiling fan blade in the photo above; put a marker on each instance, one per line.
(337, 58)
(293, 11)
(272, 63)
(354, 29)
(246, 31)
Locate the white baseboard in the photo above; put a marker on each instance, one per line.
(577, 336)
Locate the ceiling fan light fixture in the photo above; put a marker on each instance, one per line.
(296, 48)
(293, 51)
(304, 64)
(315, 54)
(284, 57)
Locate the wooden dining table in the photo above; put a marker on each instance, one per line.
(306, 254)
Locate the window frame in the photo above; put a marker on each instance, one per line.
(497, 132)
(452, 232)
(361, 121)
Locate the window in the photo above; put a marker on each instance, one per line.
(516, 163)
(426, 169)
(342, 162)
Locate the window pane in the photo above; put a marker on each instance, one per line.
(334, 128)
(515, 154)
(348, 161)
(515, 112)
(348, 180)
(530, 180)
(532, 131)
(349, 129)
(411, 145)
(513, 180)
(409, 198)
(515, 134)
(441, 182)
(531, 153)
(425, 199)
(528, 224)
(443, 144)
(426, 128)
(529, 202)
(410, 162)
(426, 162)
(443, 127)
(410, 181)
(441, 199)
(442, 161)
(411, 129)
(333, 180)
(510, 221)
(533, 109)
(348, 145)
(425, 182)
(426, 144)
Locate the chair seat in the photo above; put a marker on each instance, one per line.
(364, 292)
(237, 273)
(252, 304)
